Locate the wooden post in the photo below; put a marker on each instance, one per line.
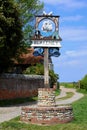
(46, 68)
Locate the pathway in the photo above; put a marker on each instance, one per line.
(7, 113)
(75, 97)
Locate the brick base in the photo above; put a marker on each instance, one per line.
(47, 115)
(46, 112)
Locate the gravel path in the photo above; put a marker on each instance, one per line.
(7, 113)
(75, 97)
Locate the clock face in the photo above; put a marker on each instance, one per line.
(46, 27)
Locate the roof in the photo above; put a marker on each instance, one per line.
(29, 58)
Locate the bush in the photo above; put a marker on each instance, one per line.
(38, 69)
(53, 77)
(83, 83)
(58, 85)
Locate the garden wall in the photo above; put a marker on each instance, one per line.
(19, 86)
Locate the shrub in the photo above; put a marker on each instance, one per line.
(53, 77)
(83, 83)
(38, 69)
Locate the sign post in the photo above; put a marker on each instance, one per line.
(46, 68)
(46, 40)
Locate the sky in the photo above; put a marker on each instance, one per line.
(71, 65)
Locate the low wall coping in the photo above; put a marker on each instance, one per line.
(20, 76)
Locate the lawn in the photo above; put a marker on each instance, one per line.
(79, 122)
(68, 95)
(67, 85)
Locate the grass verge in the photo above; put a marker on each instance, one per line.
(16, 101)
(67, 85)
(57, 92)
(68, 95)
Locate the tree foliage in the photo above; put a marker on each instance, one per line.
(54, 77)
(38, 69)
(28, 10)
(83, 83)
(10, 33)
(16, 25)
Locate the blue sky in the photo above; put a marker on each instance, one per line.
(72, 63)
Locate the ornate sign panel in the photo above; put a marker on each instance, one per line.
(46, 27)
(46, 32)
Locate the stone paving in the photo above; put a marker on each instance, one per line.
(7, 113)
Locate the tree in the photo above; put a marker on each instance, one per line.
(83, 83)
(16, 18)
(29, 8)
(10, 33)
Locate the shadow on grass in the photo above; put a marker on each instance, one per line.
(17, 101)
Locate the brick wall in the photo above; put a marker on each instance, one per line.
(19, 86)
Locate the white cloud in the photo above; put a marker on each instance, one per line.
(73, 34)
(67, 3)
(72, 63)
(76, 53)
(68, 63)
(72, 18)
(72, 58)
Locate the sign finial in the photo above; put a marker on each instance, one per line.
(49, 14)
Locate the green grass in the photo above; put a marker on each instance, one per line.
(67, 85)
(68, 95)
(16, 101)
(57, 92)
(79, 122)
(82, 91)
